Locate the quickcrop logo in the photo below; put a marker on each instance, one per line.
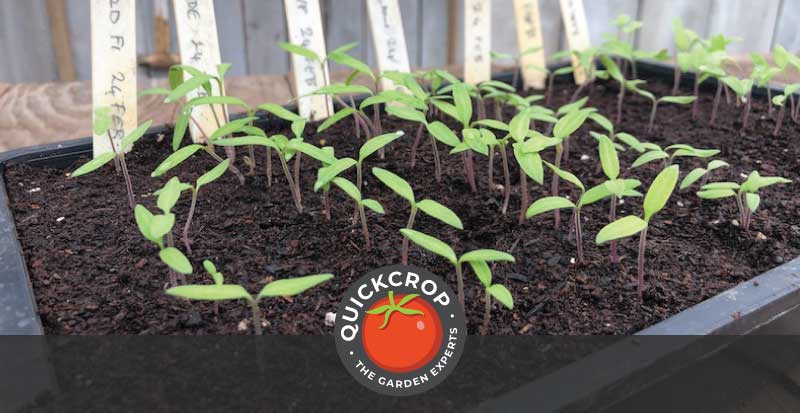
(400, 330)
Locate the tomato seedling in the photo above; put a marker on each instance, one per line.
(219, 291)
(746, 194)
(438, 247)
(353, 192)
(102, 126)
(654, 201)
(430, 207)
(491, 290)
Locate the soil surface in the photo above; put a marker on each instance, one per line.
(93, 273)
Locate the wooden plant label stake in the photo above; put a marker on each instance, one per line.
(477, 40)
(529, 35)
(198, 44)
(388, 38)
(574, 16)
(114, 68)
(304, 25)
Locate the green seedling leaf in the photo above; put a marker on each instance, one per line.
(752, 200)
(491, 123)
(603, 121)
(660, 191)
(570, 107)
(486, 255)
(716, 193)
(213, 174)
(483, 272)
(502, 295)
(680, 100)
(570, 122)
(253, 131)
(692, 177)
(175, 159)
(93, 165)
(440, 212)
(251, 140)
(631, 141)
(373, 145)
(280, 112)
(161, 225)
(341, 114)
(608, 157)
(431, 244)
(134, 136)
(299, 50)
(373, 206)
(310, 150)
(157, 91)
(193, 83)
(333, 90)
(566, 175)
(216, 100)
(519, 126)
(102, 120)
(443, 134)
(406, 113)
(181, 124)
(175, 259)
(168, 195)
(143, 220)
(327, 174)
(446, 107)
(621, 228)
(293, 286)
(216, 292)
(298, 127)
(474, 139)
(351, 62)
(530, 162)
(721, 185)
(594, 194)
(231, 127)
(649, 157)
(211, 269)
(547, 204)
(395, 183)
(716, 164)
(463, 103)
(348, 187)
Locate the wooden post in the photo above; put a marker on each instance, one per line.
(304, 25)
(477, 41)
(577, 29)
(114, 68)
(388, 38)
(59, 30)
(529, 35)
(199, 47)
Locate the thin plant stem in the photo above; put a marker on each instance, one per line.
(715, 106)
(652, 116)
(117, 165)
(460, 285)
(549, 93)
(409, 225)
(128, 184)
(185, 233)
(676, 81)
(326, 205)
(297, 160)
(523, 192)
(579, 234)
(490, 171)
(414, 146)
(506, 179)
(471, 172)
(695, 104)
(613, 217)
(620, 98)
(231, 167)
(269, 167)
(779, 122)
(487, 313)
(364, 229)
(436, 161)
(554, 184)
(292, 187)
(642, 242)
(252, 154)
(746, 112)
(256, 317)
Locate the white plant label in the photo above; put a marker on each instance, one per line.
(304, 24)
(529, 35)
(577, 29)
(388, 38)
(198, 44)
(114, 68)
(477, 40)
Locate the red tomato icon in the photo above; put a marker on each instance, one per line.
(401, 336)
